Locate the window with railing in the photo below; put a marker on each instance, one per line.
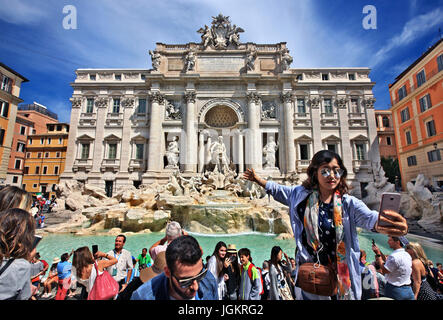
(139, 148)
(328, 106)
(85, 151)
(385, 121)
(141, 106)
(408, 137)
(304, 151)
(404, 114)
(412, 161)
(116, 106)
(4, 108)
(434, 155)
(421, 78)
(430, 128)
(90, 105)
(6, 84)
(440, 62)
(402, 93)
(425, 102)
(301, 108)
(112, 151)
(360, 151)
(354, 106)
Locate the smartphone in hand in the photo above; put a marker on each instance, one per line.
(37, 239)
(94, 249)
(389, 201)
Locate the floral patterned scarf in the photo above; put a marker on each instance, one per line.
(311, 227)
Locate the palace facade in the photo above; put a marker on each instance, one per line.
(136, 126)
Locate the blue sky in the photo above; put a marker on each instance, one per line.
(118, 34)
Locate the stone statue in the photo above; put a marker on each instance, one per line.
(172, 111)
(221, 34)
(269, 152)
(250, 60)
(172, 154)
(155, 57)
(190, 61)
(286, 59)
(378, 187)
(268, 111)
(207, 37)
(233, 36)
(218, 155)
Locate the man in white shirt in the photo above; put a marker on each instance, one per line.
(123, 268)
(397, 269)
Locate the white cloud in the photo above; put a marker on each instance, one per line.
(23, 12)
(413, 29)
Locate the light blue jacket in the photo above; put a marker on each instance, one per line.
(355, 214)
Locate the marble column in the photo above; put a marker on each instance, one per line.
(128, 110)
(155, 132)
(191, 133)
(201, 151)
(239, 145)
(98, 153)
(253, 149)
(346, 146)
(374, 150)
(287, 98)
(71, 152)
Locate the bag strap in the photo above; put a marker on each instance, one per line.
(6, 265)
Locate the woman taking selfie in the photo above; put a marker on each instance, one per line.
(324, 220)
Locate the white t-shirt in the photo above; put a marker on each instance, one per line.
(399, 264)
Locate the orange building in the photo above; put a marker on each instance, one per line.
(45, 159)
(417, 110)
(10, 84)
(31, 119)
(386, 134)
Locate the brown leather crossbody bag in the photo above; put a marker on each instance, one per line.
(317, 279)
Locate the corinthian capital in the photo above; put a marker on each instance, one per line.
(190, 96)
(76, 102)
(128, 102)
(253, 97)
(369, 102)
(314, 102)
(156, 97)
(101, 102)
(287, 97)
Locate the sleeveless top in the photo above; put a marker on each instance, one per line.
(89, 283)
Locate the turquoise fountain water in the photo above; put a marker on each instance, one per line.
(260, 244)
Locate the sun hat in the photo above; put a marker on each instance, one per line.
(231, 248)
(55, 260)
(157, 268)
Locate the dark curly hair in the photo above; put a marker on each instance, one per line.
(320, 158)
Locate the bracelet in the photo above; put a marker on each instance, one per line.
(378, 255)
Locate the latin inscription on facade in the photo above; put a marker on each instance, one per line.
(220, 63)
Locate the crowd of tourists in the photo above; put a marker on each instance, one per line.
(323, 216)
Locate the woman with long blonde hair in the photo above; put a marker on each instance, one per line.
(420, 271)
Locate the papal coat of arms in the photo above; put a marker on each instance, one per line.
(221, 34)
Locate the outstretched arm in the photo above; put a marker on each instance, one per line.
(250, 175)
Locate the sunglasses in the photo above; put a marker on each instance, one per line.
(326, 172)
(187, 282)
